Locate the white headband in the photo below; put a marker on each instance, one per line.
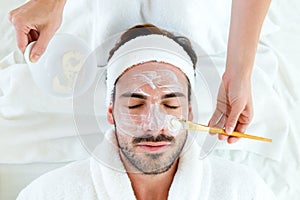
(147, 48)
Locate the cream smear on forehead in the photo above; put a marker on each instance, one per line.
(161, 78)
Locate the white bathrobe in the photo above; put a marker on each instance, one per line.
(104, 177)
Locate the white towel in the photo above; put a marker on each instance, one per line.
(211, 178)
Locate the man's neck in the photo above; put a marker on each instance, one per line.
(155, 186)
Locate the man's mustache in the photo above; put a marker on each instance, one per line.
(151, 138)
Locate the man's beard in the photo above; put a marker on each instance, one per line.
(152, 163)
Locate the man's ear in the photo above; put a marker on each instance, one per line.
(191, 116)
(109, 115)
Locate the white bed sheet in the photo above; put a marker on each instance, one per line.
(283, 176)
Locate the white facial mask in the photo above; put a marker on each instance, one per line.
(152, 117)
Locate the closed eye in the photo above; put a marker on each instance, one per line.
(135, 106)
(171, 107)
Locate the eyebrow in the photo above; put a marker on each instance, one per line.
(140, 96)
(173, 94)
(134, 95)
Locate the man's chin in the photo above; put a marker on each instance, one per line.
(151, 164)
(157, 171)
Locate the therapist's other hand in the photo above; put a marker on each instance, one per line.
(37, 20)
(234, 109)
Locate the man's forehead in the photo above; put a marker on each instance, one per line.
(156, 75)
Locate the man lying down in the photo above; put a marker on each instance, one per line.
(150, 76)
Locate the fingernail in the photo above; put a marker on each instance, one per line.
(233, 140)
(222, 137)
(229, 130)
(34, 58)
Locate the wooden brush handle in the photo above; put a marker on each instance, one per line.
(200, 127)
(238, 134)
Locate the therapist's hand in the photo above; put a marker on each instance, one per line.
(37, 20)
(234, 105)
(234, 109)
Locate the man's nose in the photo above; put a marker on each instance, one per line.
(154, 121)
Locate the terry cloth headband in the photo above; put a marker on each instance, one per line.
(147, 48)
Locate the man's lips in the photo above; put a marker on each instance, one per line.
(153, 146)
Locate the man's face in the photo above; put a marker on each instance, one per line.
(147, 96)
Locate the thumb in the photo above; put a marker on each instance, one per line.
(40, 46)
(232, 119)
